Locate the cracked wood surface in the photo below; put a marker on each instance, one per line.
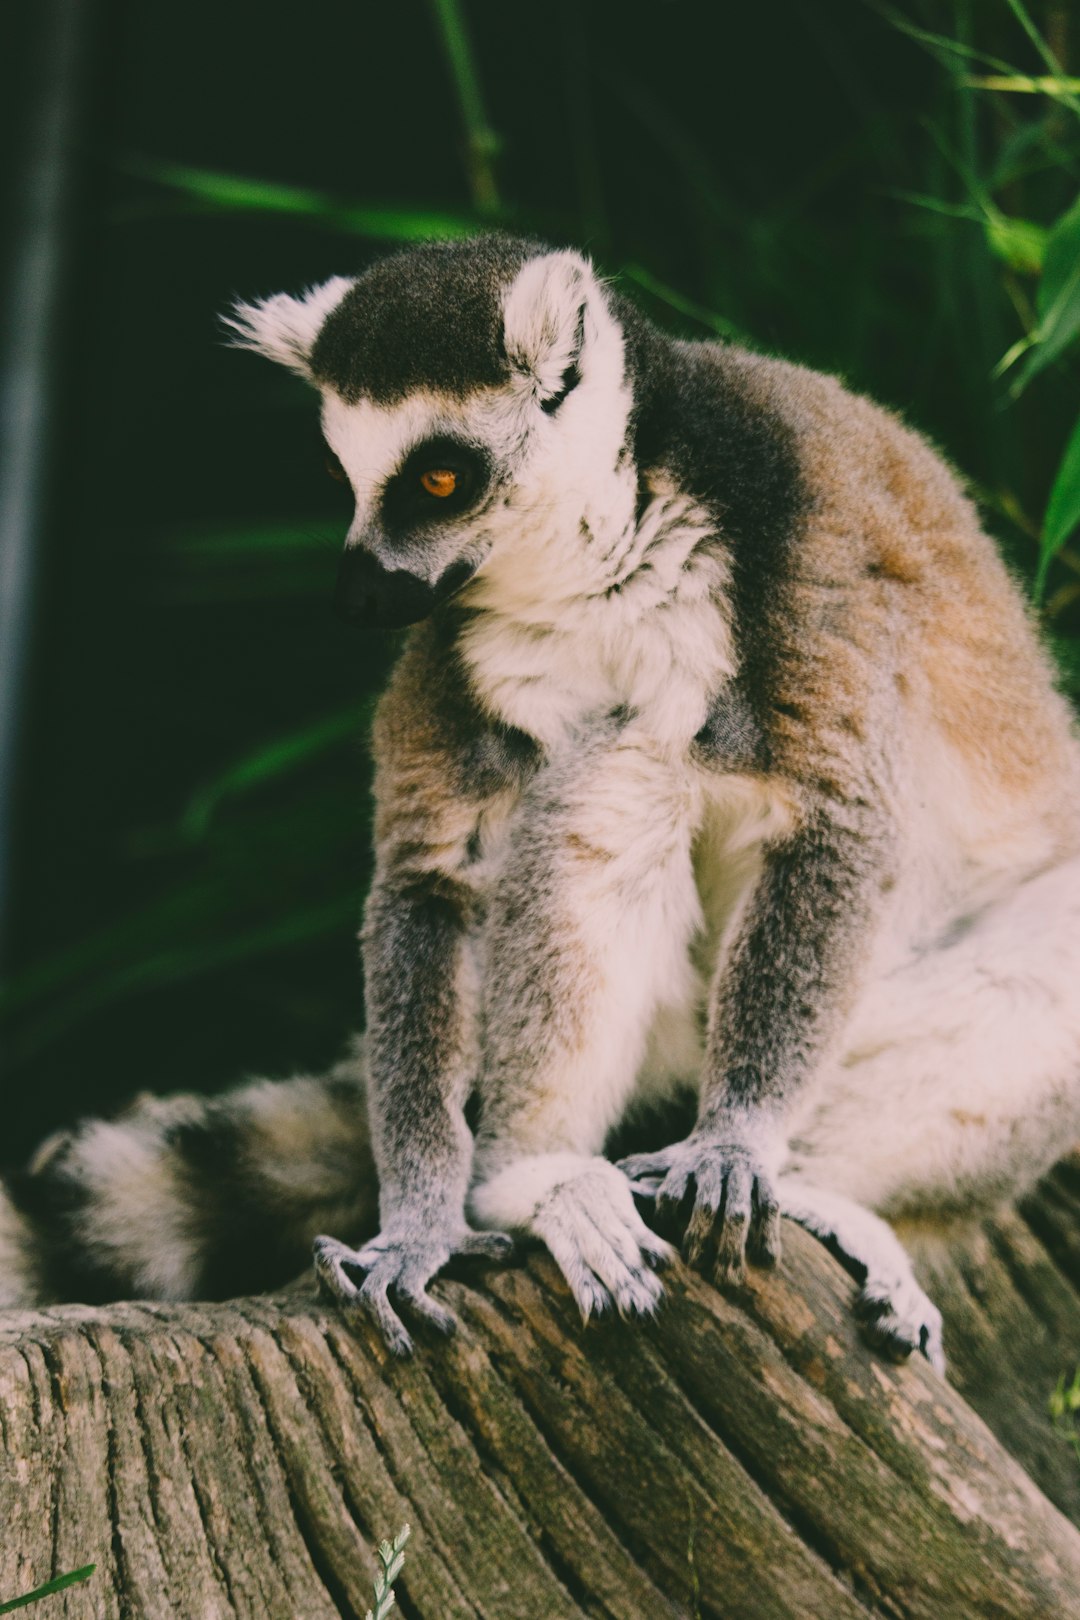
(740, 1458)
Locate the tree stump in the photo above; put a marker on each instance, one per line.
(745, 1458)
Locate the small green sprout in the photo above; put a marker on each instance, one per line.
(1064, 1405)
(391, 1558)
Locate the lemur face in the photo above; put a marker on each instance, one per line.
(473, 396)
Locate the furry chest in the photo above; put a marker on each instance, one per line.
(606, 808)
(611, 813)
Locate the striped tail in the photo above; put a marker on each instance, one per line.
(188, 1197)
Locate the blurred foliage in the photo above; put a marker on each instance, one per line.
(1064, 1405)
(886, 191)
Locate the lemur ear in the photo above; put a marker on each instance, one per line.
(284, 328)
(544, 323)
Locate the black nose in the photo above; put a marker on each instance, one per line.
(378, 598)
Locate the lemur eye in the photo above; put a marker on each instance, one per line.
(439, 481)
(335, 469)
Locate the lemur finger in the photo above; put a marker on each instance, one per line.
(897, 1318)
(764, 1244)
(657, 1253)
(590, 1295)
(647, 1187)
(932, 1345)
(421, 1304)
(331, 1257)
(636, 1290)
(488, 1245)
(372, 1300)
(618, 1221)
(669, 1199)
(701, 1228)
(730, 1268)
(645, 1164)
(613, 1254)
(371, 1253)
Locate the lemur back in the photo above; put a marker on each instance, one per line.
(723, 758)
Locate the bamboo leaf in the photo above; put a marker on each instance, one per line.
(1058, 299)
(224, 902)
(170, 967)
(233, 193)
(1063, 507)
(1020, 243)
(271, 760)
(1020, 12)
(1021, 84)
(684, 306)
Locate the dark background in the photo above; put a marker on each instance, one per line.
(806, 171)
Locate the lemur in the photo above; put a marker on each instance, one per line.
(722, 757)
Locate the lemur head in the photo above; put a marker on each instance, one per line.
(474, 396)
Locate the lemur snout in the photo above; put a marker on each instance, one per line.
(377, 598)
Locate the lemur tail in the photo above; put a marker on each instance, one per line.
(188, 1197)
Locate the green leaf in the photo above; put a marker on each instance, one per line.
(1020, 243)
(233, 193)
(271, 760)
(204, 546)
(169, 966)
(56, 1585)
(1049, 84)
(685, 306)
(218, 900)
(1063, 507)
(1058, 298)
(1066, 652)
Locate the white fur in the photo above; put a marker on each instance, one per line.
(541, 314)
(614, 848)
(18, 1280)
(141, 1210)
(956, 1080)
(284, 328)
(582, 1208)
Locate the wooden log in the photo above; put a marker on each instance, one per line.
(746, 1458)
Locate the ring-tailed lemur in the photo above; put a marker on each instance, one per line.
(723, 755)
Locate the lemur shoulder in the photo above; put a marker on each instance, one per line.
(723, 758)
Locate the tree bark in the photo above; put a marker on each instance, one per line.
(741, 1458)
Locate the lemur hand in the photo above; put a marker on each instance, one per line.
(735, 1211)
(401, 1260)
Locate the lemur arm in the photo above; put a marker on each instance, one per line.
(441, 768)
(778, 996)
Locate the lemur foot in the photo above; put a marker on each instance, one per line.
(404, 1264)
(898, 1318)
(602, 1246)
(735, 1213)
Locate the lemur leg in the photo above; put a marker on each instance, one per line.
(896, 1315)
(958, 1079)
(587, 945)
(957, 1085)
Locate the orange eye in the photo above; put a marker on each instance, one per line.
(335, 469)
(439, 481)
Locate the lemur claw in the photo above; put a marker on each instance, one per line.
(404, 1265)
(901, 1320)
(735, 1212)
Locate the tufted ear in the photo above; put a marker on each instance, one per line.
(544, 323)
(284, 328)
